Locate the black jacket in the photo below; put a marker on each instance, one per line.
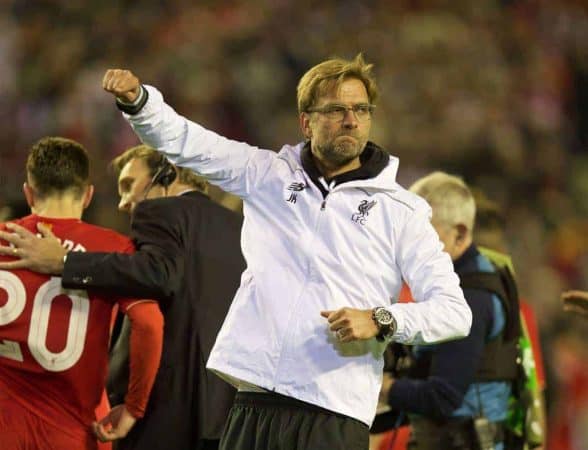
(188, 258)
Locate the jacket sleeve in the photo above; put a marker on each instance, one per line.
(453, 368)
(440, 312)
(155, 270)
(234, 166)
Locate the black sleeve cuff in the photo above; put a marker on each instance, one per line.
(136, 106)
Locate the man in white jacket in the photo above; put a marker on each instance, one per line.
(328, 238)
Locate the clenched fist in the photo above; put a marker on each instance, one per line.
(122, 83)
(351, 324)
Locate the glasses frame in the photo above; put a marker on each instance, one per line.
(332, 110)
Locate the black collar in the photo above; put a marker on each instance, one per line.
(461, 263)
(194, 193)
(373, 160)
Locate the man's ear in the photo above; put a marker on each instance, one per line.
(463, 238)
(305, 125)
(29, 194)
(462, 232)
(88, 194)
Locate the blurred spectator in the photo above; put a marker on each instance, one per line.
(576, 301)
(448, 387)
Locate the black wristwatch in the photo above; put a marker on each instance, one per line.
(385, 322)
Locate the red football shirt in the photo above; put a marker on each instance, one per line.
(53, 341)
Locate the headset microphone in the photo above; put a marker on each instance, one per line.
(165, 175)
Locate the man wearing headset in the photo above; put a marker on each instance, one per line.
(177, 231)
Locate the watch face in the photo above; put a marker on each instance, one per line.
(383, 316)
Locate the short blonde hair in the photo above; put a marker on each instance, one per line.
(153, 160)
(451, 199)
(331, 73)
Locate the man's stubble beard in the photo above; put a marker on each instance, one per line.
(338, 155)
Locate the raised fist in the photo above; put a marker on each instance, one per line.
(122, 83)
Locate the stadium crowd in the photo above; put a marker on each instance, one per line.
(494, 91)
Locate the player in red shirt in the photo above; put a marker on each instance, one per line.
(53, 341)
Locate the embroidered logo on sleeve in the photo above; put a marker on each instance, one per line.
(362, 211)
(294, 189)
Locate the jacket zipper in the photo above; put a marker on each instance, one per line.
(328, 189)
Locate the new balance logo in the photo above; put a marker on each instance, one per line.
(363, 211)
(294, 188)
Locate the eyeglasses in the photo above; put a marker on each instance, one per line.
(362, 111)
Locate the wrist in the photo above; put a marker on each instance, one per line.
(133, 103)
(385, 323)
(130, 98)
(133, 410)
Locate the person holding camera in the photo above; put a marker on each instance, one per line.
(456, 393)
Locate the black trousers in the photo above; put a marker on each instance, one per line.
(268, 421)
(206, 444)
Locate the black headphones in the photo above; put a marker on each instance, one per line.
(165, 174)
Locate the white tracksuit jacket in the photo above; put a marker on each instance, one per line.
(306, 254)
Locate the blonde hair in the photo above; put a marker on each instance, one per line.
(451, 199)
(153, 160)
(331, 73)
